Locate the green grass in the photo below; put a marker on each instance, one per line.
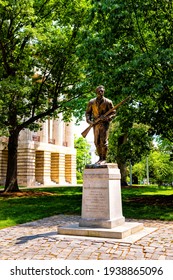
(52, 201)
(148, 190)
(146, 202)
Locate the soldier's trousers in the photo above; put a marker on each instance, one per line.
(101, 139)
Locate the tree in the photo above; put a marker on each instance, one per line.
(41, 70)
(128, 147)
(152, 63)
(160, 168)
(130, 46)
(164, 145)
(161, 161)
(139, 170)
(83, 155)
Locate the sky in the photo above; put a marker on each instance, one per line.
(79, 128)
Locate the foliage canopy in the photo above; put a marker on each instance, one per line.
(41, 70)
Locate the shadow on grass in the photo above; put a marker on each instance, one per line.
(148, 207)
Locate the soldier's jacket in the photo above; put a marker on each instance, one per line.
(95, 109)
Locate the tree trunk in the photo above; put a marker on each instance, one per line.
(11, 184)
(121, 162)
(123, 171)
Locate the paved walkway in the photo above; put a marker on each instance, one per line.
(39, 241)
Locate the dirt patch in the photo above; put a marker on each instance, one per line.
(25, 194)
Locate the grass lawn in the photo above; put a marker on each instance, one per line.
(148, 202)
(28, 205)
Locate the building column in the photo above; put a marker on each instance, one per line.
(58, 131)
(3, 166)
(39, 166)
(70, 168)
(51, 139)
(47, 168)
(55, 167)
(61, 171)
(26, 166)
(43, 167)
(69, 135)
(44, 132)
(25, 136)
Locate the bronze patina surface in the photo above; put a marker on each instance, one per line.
(96, 108)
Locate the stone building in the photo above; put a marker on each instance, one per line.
(46, 157)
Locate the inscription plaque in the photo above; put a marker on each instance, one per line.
(95, 206)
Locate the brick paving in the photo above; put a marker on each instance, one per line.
(39, 241)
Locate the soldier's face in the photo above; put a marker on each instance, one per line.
(100, 92)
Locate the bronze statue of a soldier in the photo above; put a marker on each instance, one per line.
(97, 108)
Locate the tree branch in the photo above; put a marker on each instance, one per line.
(9, 71)
(47, 112)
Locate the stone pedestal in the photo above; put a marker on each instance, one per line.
(102, 207)
(101, 201)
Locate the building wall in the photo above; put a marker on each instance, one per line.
(46, 157)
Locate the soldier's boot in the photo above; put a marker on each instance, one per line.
(99, 152)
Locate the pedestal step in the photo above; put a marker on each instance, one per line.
(118, 232)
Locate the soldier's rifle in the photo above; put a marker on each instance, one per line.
(85, 132)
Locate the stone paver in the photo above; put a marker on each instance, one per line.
(39, 241)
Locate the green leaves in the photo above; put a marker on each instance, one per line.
(129, 145)
(131, 53)
(41, 67)
(83, 156)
